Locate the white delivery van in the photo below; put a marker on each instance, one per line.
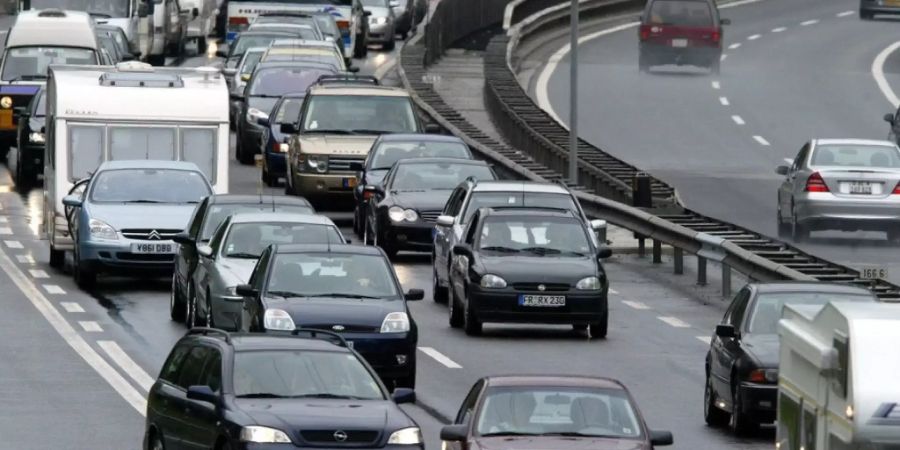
(838, 383)
(168, 33)
(126, 112)
(202, 20)
(125, 14)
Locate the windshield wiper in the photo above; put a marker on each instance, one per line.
(500, 248)
(328, 395)
(577, 434)
(541, 250)
(509, 433)
(261, 395)
(369, 131)
(285, 294)
(335, 131)
(99, 14)
(142, 201)
(340, 294)
(28, 78)
(242, 255)
(265, 96)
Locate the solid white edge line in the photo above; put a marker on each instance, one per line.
(635, 305)
(878, 74)
(737, 119)
(704, 339)
(14, 244)
(674, 321)
(778, 29)
(809, 22)
(72, 337)
(142, 378)
(724, 101)
(761, 140)
(440, 357)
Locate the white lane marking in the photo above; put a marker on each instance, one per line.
(127, 364)
(809, 22)
(716, 85)
(703, 339)
(762, 141)
(674, 321)
(738, 120)
(878, 73)
(740, 3)
(14, 244)
(734, 46)
(25, 259)
(4, 219)
(613, 291)
(38, 273)
(724, 101)
(387, 66)
(778, 29)
(845, 14)
(56, 290)
(754, 37)
(722, 58)
(635, 305)
(72, 307)
(5, 230)
(90, 326)
(440, 357)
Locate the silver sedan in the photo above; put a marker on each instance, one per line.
(841, 184)
(229, 257)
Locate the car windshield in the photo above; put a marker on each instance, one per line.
(520, 198)
(149, 186)
(692, 13)
(316, 55)
(299, 31)
(332, 275)
(534, 236)
(295, 373)
(443, 176)
(217, 213)
(365, 113)
(246, 41)
(388, 153)
(768, 306)
(277, 82)
(327, 24)
(874, 156)
(248, 240)
(251, 59)
(288, 110)
(30, 62)
(106, 8)
(566, 411)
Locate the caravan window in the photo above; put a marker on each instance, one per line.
(141, 143)
(85, 150)
(198, 145)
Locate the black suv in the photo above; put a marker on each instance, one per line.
(306, 389)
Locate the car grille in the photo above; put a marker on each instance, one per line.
(548, 287)
(430, 216)
(342, 163)
(145, 257)
(332, 437)
(144, 234)
(346, 329)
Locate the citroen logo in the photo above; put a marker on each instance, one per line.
(542, 288)
(340, 436)
(153, 235)
(338, 328)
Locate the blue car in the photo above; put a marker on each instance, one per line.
(272, 145)
(127, 214)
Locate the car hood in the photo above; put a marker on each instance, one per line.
(428, 200)
(378, 11)
(142, 215)
(37, 122)
(124, 23)
(338, 144)
(264, 104)
(556, 443)
(313, 312)
(537, 269)
(764, 348)
(239, 268)
(322, 414)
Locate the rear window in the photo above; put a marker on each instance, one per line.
(515, 199)
(876, 156)
(277, 82)
(681, 12)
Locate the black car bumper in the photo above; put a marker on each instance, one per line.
(759, 400)
(254, 446)
(655, 54)
(32, 155)
(505, 305)
(392, 355)
(404, 236)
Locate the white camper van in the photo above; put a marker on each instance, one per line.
(838, 387)
(125, 14)
(126, 112)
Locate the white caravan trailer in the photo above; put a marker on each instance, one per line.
(838, 384)
(126, 112)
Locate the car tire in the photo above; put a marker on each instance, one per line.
(288, 182)
(599, 329)
(202, 45)
(799, 232)
(389, 45)
(268, 179)
(438, 292)
(57, 258)
(192, 319)
(208, 320)
(85, 277)
(471, 325)
(357, 223)
(360, 47)
(739, 423)
(784, 228)
(176, 303)
(242, 155)
(713, 416)
(455, 314)
(155, 443)
(865, 15)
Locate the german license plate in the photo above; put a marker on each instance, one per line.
(542, 300)
(679, 42)
(860, 188)
(153, 247)
(350, 182)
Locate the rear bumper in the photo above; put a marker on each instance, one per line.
(825, 211)
(500, 305)
(759, 400)
(653, 54)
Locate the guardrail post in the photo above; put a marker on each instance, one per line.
(641, 194)
(678, 255)
(726, 281)
(642, 249)
(657, 251)
(701, 270)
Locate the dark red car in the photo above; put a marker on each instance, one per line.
(681, 32)
(540, 412)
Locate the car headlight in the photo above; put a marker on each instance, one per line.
(378, 20)
(395, 322)
(318, 163)
(406, 436)
(264, 435)
(398, 214)
(102, 229)
(36, 138)
(492, 282)
(253, 114)
(278, 319)
(589, 284)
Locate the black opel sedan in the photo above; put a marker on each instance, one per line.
(742, 363)
(528, 265)
(304, 390)
(349, 289)
(404, 208)
(30, 141)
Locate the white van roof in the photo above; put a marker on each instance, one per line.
(138, 91)
(52, 27)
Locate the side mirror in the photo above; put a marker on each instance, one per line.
(373, 188)
(889, 118)
(288, 128)
(367, 13)
(221, 54)
(462, 250)
(403, 395)
(782, 170)
(229, 72)
(598, 224)
(72, 200)
(445, 221)
(353, 69)
(262, 120)
(245, 290)
(661, 438)
(414, 294)
(356, 166)
(203, 394)
(455, 433)
(604, 253)
(245, 77)
(433, 128)
(183, 239)
(195, 12)
(726, 331)
(725, 21)
(205, 251)
(143, 9)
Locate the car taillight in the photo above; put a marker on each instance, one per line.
(815, 183)
(238, 21)
(344, 26)
(716, 36)
(896, 190)
(279, 148)
(644, 32)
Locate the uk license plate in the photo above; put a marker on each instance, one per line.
(679, 43)
(542, 300)
(153, 248)
(350, 182)
(860, 188)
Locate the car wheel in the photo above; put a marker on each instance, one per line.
(85, 277)
(714, 416)
(289, 182)
(360, 47)
(598, 329)
(201, 45)
(357, 223)
(389, 45)
(243, 155)
(439, 293)
(471, 324)
(156, 60)
(268, 179)
(783, 227)
(579, 327)
(367, 232)
(155, 442)
(57, 258)
(192, 319)
(456, 317)
(799, 233)
(740, 423)
(176, 303)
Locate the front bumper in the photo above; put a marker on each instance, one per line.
(502, 305)
(825, 211)
(379, 34)
(417, 236)
(656, 54)
(108, 255)
(252, 446)
(759, 400)
(337, 185)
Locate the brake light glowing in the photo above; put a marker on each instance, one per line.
(644, 32)
(815, 183)
(343, 25)
(238, 21)
(757, 376)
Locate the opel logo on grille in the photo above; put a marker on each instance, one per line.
(153, 235)
(542, 288)
(340, 436)
(338, 328)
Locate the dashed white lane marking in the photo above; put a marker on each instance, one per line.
(738, 120)
(127, 364)
(613, 291)
(809, 22)
(762, 141)
(878, 73)
(25, 259)
(722, 58)
(38, 273)
(13, 244)
(778, 29)
(4, 219)
(6, 230)
(674, 321)
(703, 339)
(734, 46)
(635, 305)
(716, 85)
(72, 337)
(724, 101)
(56, 290)
(440, 357)
(90, 326)
(845, 13)
(754, 37)
(72, 307)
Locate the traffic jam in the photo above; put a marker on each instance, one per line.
(297, 328)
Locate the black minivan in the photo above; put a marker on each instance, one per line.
(681, 32)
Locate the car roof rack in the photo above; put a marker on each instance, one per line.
(348, 78)
(314, 333)
(206, 331)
